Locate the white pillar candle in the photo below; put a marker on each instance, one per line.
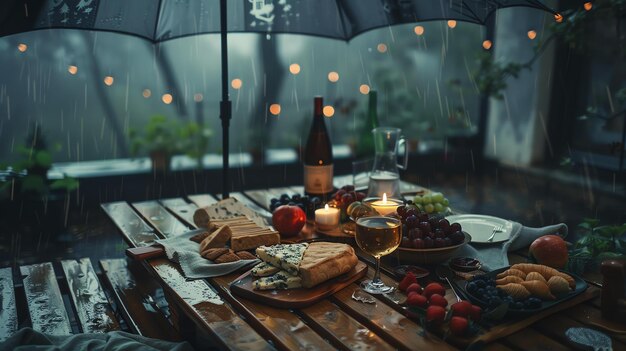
(327, 218)
(385, 206)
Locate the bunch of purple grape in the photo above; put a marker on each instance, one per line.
(419, 231)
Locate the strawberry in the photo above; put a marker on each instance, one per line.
(434, 288)
(475, 313)
(416, 299)
(408, 279)
(438, 300)
(435, 315)
(461, 309)
(414, 287)
(458, 325)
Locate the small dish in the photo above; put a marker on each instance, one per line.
(465, 264)
(419, 272)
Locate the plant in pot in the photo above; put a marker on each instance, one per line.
(27, 196)
(164, 137)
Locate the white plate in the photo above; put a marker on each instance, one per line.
(481, 226)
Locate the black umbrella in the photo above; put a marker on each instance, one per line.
(159, 21)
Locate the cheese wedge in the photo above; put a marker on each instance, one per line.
(264, 269)
(284, 256)
(280, 280)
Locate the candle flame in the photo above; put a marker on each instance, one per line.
(326, 207)
(384, 198)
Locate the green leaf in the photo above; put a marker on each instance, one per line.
(43, 159)
(33, 183)
(608, 256)
(67, 183)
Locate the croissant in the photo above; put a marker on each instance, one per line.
(509, 279)
(539, 289)
(517, 291)
(535, 276)
(558, 286)
(545, 271)
(514, 272)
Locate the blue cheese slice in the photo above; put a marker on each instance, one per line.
(283, 256)
(264, 269)
(280, 280)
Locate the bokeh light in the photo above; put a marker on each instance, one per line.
(236, 83)
(294, 68)
(487, 44)
(22, 47)
(419, 30)
(108, 80)
(588, 6)
(167, 98)
(328, 111)
(72, 69)
(451, 23)
(146, 93)
(558, 18)
(198, 97)
(364, 89)
(382, 48)
(333, 76)
(532, 34)
(275, 109)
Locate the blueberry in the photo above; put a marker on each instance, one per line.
(284, 197)
(296, 197)
(481, 284)
(471, 287)
(274, 200)
(480, 292)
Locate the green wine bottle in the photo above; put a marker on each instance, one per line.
(365, 144)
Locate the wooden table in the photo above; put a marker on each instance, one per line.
(338, 322)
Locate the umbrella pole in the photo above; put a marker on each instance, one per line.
(225, 105)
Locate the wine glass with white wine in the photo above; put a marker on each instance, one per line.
(378, 236)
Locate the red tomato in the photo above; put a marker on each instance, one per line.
(288, 220)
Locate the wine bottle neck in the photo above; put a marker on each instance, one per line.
(318, 103)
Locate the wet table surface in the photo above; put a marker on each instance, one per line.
(337, 322)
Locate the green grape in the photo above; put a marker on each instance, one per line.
(429, 208)
(420, 207)
(417, 199)
(445, 202)
(438, 208)
(427, 199)
(437, 197)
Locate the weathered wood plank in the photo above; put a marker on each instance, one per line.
(330, 321)
(202, 200)
(134, 230)
(496, 347)
(589, 314)
(94, 313)
(531, 340)
(133, 291)
(283, 327)
(388, 323)
(8, 312)
(166, 223)
(44, 300)
(181, 209)
(556, 325)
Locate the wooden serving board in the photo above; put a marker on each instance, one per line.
(295, 298)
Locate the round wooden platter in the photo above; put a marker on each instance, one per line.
(295, 298)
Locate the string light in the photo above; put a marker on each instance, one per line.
(382, 48)
(364, 89)
(333, 76)
(451, 23)
(487, 44)
(167, 98)
(532, 34)
(22, 47)
(558, 17)
(108, 80)
(419, 30)
(72, 69)
(275, 109)
(236, 83)
(146, 93)
(588, 6)
(294, 68)
(198, 97)
(328, 111)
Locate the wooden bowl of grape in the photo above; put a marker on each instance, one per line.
(428, 239)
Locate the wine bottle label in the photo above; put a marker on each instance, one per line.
(318, 179)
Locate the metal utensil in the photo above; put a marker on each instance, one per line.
(496, 229)
(588, 337)
(443, 273)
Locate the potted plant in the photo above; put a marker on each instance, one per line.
(164, 137)
(27, 196)
(597, 243)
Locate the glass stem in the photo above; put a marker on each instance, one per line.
(376, 279)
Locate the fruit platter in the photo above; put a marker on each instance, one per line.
(523, 288)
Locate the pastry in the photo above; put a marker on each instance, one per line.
(545, 271)
(558, 286)
(539, 289)
(227, 257)
(517, 291)
(199, 237)
(213, 253)
(514, 272)
(535, 276)
(245, 255)
(509, 279)
(323, 261)
(218, 238)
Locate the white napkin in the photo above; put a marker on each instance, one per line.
(186, 253)
(495, 256)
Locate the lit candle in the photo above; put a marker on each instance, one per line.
(327, 218)
(384, 206)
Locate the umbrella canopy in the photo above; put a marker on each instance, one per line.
(159, 21)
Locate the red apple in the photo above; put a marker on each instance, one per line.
(288, 220)
(550, 250)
